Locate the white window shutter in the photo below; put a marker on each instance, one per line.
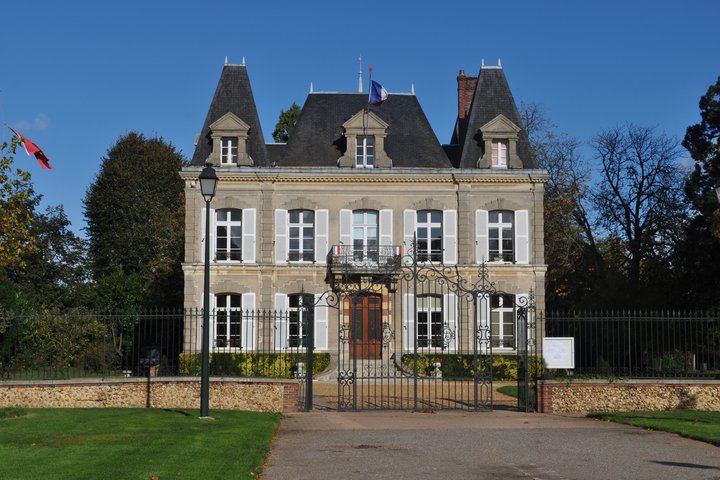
(346, 228)
(321, 322)
(386, 224)
(281, 236)
(409, 220)
(321, 236)
(482, 253)
(450, 237)
(281, 321)
(450, 305)
(201, 253)
(521, 237)
(521, 301)
(408, 322)
(249, 320)
(248, 233)
(483, 323)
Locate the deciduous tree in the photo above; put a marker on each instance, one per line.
(286, 123)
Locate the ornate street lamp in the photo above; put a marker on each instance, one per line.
(208, 184)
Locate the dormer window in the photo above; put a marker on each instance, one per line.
(499, 153)
(229, 151)
(365, 152)
(365, 135)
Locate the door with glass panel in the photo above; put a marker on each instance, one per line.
(365, 235)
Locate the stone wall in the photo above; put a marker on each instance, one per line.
(225, 394)
(582, 396)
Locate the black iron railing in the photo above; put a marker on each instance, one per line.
(379, 257)
(641, 344)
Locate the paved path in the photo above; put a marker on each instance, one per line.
(486, 445)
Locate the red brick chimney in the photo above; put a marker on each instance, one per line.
(466, 90)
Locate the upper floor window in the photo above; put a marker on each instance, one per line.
(228, 235)
(429, 321)
(502, 321)
(365, 235)
(228, 150)
(499, 153)
(365, 151)
(500, 236)
(301, 231)
(429, 230)
(300, 316)
(228, 321)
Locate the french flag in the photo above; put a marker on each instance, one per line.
(378, 94)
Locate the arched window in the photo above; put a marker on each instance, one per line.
(301, 232)
(228, 321)
(501, 236)
(300, 317)
(429, 321)
(365, 235)
(429, 230)
(228, 235)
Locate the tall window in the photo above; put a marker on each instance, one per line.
(228, 150)
(502, 321)
(302, 235)
(429, 321)
(228, 235)
(365, 235)
(499, 153)
(228, 320)
(299, 315)
(429, 236)
(365, 152)
(500, 235)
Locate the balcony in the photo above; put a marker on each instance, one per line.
(367, 260)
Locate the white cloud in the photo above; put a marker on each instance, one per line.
(39, 123)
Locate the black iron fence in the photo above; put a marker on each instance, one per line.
(157, 343)
(637, 344)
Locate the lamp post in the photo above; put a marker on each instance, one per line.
(208, 184)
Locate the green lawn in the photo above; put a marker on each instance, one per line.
(132, 443)
(509, 390)
(703, 426)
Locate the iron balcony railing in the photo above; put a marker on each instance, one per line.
(365, 258)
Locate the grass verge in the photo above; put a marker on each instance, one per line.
(133, 443)
(698, 425)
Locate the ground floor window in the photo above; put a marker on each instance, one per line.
(502, 321)
(228, 320)
(429, 321)
(300, 316)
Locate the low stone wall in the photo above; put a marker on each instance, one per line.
(263, 395)
(582, 396)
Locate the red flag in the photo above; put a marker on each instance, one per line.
(32, 149)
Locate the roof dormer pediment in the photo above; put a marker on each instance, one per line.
(500, 125)
(364, 121)
(229, 123)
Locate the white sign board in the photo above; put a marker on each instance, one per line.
(559, 352)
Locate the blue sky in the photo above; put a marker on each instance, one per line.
(77, 75)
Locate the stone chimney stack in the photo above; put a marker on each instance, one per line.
(466, 90)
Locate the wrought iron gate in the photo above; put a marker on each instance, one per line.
(527, 355)
(412, 334)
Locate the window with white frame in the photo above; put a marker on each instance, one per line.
(228, 321)
(500, 235)
(301, 232)
(228, 150)
(365, 151)
(499, 153)
(429, 321)
(502, 321)
(365, 235)
(300, 316)
(228, 235)
(429, 230)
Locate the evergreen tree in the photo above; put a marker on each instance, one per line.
(286, 123)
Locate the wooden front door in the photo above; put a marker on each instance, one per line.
(366, 327)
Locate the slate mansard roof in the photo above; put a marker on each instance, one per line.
(318, 140)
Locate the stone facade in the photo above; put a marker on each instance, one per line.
(225, 394)
(627, 396)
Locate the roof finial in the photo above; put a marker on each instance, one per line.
(243, 64)
(482, 62)
(311, 87)
(499, 63)
(360, 75)
(226, 62)
(412, 88)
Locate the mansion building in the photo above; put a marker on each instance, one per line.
(355, 186)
